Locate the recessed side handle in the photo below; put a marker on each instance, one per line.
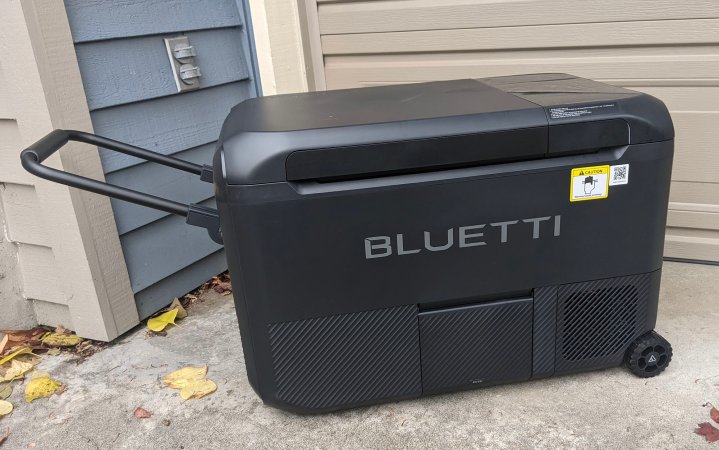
(33, 156)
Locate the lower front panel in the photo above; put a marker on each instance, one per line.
(349, 359)
(476, 345)
(346, 360)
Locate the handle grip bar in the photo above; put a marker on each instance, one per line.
(33, 156)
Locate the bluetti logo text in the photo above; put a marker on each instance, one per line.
(467, 236)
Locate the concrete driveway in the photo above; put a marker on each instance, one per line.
(604, 409)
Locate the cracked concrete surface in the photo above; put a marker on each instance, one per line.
(603, 409)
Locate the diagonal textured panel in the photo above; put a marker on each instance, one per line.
(544, 332)
(476, 345)
(347, 359)
(597, 320)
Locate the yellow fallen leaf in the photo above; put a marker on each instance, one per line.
(9, 357)
(54, 351)
(61, 340)
(181, 311)
(198, 389)
(29, 358)
(40, 387)
(5, 408)
(17, 370)
(159, 323)
(39, 374)
(5, 390)
(181, 378)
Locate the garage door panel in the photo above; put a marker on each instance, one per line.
(686, 98)
(693, 220)
(374, 17)
(693, 193)
(698, 234)
(700, 31)
(695, 156)
(627, 63)
(613, 53)
(683, 247)
(694, 207)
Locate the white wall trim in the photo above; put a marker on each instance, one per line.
(278, 43)
(75, 242)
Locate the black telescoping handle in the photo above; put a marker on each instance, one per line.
(33, 156)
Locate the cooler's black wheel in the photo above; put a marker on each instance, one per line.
(649, 355)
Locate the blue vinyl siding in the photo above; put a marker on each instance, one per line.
(132, 98)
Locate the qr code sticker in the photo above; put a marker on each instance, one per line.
(619, 174)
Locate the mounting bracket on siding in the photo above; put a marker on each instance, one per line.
(182, 60)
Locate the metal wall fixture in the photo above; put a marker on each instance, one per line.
(182, 60)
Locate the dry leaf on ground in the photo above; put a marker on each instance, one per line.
(191, 381)
(41, 387)
(62, 330)
(714, 414)
(61, 340)
(198, 389)
(22, 351)
(181, 311)
(3, 343)
(60, 389)
(29, 358)
(23, 338)
(189, 299)
(182, 377)
(223, 287)
(706, 429)
(5, 408)
(142, 413)
(220, 284)
(4, 436)
(159, 323)
(39, 374)
(17, 370)
(5, 390)
(89, 348)
(25, 335)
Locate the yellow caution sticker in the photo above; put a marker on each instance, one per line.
(589, 183)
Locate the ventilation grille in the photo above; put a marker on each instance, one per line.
(347, 359)
(597, 320)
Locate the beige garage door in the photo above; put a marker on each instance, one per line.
(667, 48)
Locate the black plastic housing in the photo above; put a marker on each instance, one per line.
(305, 181)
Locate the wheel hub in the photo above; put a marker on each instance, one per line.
(653, 358)
(649, 355)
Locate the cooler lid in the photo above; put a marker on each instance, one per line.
(584, 113)
(425, 126)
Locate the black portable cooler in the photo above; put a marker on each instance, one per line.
(395, 241)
